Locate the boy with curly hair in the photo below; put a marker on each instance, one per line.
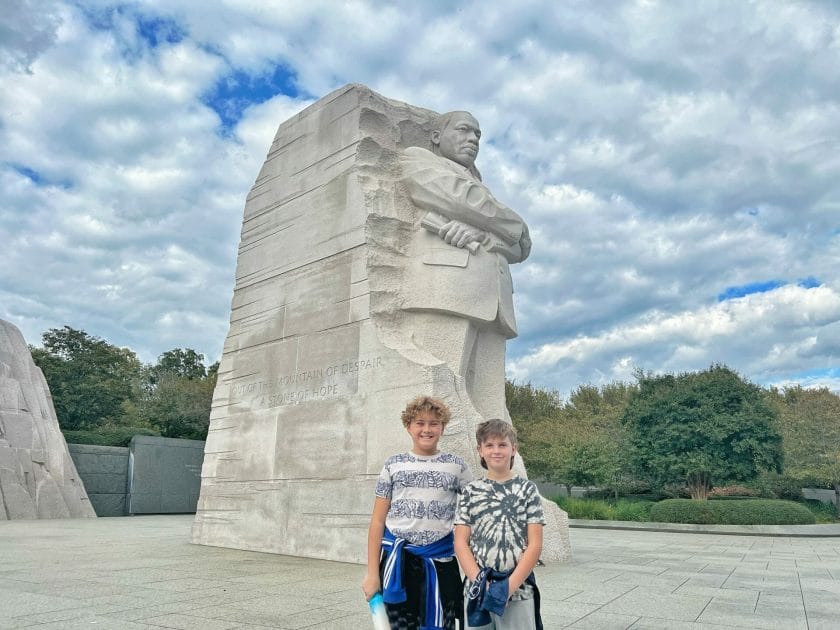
(410, 542)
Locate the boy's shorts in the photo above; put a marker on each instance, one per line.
(409, 615)
(519, 615)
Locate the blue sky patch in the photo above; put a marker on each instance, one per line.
(809, 375)
(235, 92)
(100, 18)
(158, 30)
(808, 283)
(36, 177)
(153, 30)
(730, 293)
(32, 174)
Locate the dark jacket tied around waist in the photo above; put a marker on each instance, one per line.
(489, 593)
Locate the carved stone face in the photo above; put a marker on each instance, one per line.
(458, 141)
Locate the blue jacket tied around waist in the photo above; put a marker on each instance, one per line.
(489, 593)
(392, 587)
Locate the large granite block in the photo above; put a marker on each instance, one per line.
(324, 349)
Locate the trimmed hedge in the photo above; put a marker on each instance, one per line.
(732, 512)
(116, 436)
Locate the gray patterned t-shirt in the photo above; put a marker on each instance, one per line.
(423, 493)
(498, 514)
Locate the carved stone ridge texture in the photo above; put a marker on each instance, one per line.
(319, 360)
(37, 476)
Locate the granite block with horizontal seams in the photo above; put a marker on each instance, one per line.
(322, 354)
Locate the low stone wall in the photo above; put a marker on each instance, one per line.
(153, 475)
(165, 475)
(104, 472)
(826, 496)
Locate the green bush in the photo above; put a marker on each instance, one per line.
(683, 511)
(675, 491)
(632, 511)
(591, 509)
(733, 490)
(112, 436)
(596, 510)
(775, 486)
(598, 493)
(823, 512)
(733, 497)
(732, 512)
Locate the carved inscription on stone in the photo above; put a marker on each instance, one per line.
(304, 386)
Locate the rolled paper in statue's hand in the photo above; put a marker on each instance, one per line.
(378, 613)
(433, 223)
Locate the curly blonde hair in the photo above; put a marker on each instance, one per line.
(426, 403)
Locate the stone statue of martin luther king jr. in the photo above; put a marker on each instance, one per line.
(459, 290)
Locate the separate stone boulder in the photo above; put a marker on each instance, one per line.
(37, 476)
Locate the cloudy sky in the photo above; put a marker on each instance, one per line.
(678, 163)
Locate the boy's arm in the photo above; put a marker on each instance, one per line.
(463, 552)
(372, 584)
(529, 558)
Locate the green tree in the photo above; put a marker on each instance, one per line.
(180, 407)
(601, 454)
(810, 422)
(184, 362)
(702, 428)
(535, 414)
(578, 443)
(179, 394)
(91, 381)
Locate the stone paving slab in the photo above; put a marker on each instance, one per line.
(141, 572)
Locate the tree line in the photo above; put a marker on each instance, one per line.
(685, 433)
(668, 433)
(105, 394)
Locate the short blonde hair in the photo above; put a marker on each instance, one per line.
(426, 403)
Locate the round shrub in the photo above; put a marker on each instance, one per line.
(764, 512)
(683, 511)
(732, 512)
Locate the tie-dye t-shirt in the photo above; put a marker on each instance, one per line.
(498, 514)
(423, 493)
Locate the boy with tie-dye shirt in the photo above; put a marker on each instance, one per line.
(498, 537)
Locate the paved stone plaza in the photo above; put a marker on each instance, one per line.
(141, 572)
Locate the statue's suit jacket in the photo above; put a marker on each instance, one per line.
(448, 279)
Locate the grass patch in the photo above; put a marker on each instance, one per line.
(600, 510)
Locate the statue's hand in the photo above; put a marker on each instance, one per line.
(461, 234)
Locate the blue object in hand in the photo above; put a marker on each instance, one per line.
(378, 613)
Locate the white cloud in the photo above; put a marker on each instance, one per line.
(762, 335)
(661, 152)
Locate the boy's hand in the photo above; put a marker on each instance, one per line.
(371, 585)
